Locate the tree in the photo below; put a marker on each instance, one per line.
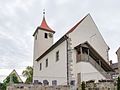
(118, 83)
(83, 85)
(6, 81)
(28, 74)
(2, 86)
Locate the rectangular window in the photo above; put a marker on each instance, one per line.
(45, 35)
(35, 37)
(40, 66)
(54, 82)
(46, 62)
(57, 55)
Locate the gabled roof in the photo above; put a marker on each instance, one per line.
(74, 27)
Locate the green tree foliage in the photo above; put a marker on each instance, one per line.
(13, 77)
(83, 85)
(28, 74)
(2, 86)
(118, 83)
(6, 82)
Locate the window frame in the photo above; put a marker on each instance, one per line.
(46, 63)
(40, 66)
(57, 56)
(46, 35)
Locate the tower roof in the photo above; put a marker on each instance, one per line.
(44, 26)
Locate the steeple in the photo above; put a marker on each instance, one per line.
(43, 38)
(44, 24)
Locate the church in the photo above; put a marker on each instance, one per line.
(81, 54)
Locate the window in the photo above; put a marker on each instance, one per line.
(45, 82)
(46, 62)
(35, 37)
(57, 55)
(40, 66)
(54, 82)
(46, 35)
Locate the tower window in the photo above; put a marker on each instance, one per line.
(35, 37)
(57, 55)
(46, 62)
(46, 35)
(40, 66)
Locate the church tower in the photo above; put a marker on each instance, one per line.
(43, 38)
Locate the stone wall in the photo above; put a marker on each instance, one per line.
(36, 87)
(101, 85)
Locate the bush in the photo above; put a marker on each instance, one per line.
(83, 85)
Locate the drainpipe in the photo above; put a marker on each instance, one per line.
(67, 64)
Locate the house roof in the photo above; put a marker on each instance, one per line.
(105, 65)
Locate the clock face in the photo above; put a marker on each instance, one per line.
(50, 35)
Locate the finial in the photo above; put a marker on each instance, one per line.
(44, 12)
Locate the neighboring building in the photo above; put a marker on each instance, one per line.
(116, 66)
(118, 57)
(16, 74)
(115, 74)
(79, 55)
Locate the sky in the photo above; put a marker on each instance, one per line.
(20, 18)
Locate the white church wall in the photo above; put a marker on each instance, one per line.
(87, 71)
(56, 70)
(41, 44)
(87, 31)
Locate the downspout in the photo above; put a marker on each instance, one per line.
(67, 63)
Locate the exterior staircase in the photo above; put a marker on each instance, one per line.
(99, 68)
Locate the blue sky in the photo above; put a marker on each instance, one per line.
(20, 18)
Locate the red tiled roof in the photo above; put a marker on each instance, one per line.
(73, 28)
(44, 26)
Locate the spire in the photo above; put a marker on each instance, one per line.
(44, 25)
